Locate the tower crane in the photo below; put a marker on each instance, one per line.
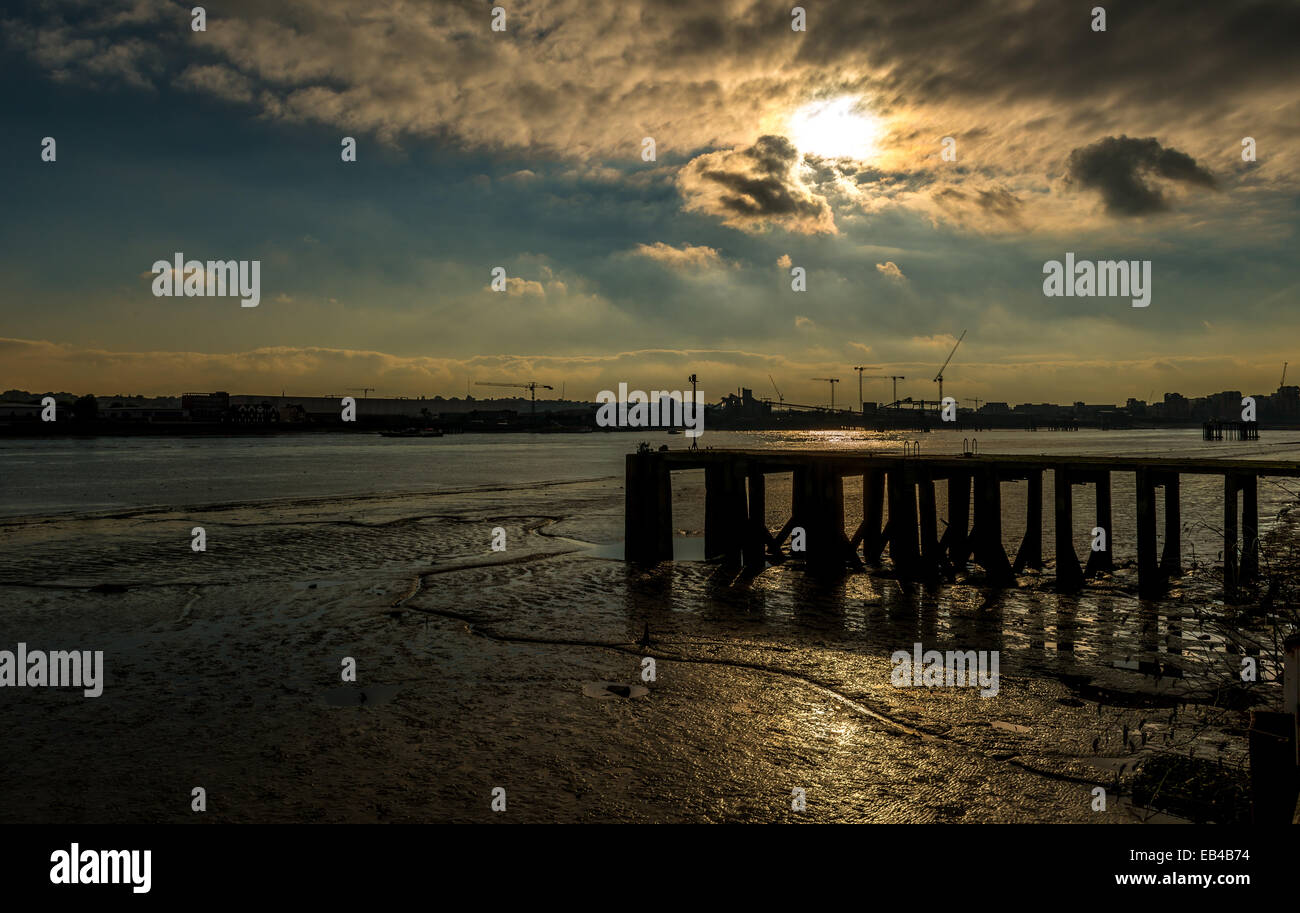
(531, 387)
(938, 378)
(364, 391)
(779, 397)
(833, 381)
(860, 369)
(896, 378)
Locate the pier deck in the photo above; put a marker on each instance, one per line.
(736, 530)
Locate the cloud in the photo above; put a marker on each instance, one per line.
(890, 270)
(515, 287)
(755, 187)
(523, 176)
(784, 261)
(686, 257)
(804, 323)
(38, 365)
(1120, 169)
(221, 81)
(1016, 84)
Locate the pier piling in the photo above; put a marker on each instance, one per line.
(1030, 554)
(1150, 582)
(1069, 578)
(735, 505)
(903, 531)
(758, 538)
(989, 550)
(1249, 528)
(1101, 560)
(648, 510)
(931, 564)
(1171, 561)
(957, 535)
(1231, 572)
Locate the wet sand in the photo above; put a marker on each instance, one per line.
(223, 671)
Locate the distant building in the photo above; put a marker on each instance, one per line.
(120, 413)
(744, 405)
(254, 414)
(1285, 403)
(205, 407)
(20, 410)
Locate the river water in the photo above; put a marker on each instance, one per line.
(476, 668)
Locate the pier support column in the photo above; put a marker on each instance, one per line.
(903, 553)
(989, 551)
(929, 525)
(1231, 575)
(1102, 560)
(725, 515)
(822, 509)
(798, 496)
(957, 536)
(648, 510)
(1171, 560)
(1069, 578)
(1249, 527)
(870, 534)
(1150, 583)
(1031, 547)
(757, 536)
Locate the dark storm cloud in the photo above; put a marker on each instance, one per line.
(1121, 168)
(752, 187)
(1170, 49)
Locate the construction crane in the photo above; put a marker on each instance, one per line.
(896, 378)
(973, 399)
(1281, 383)
(938, 378)
(364, 391)
(833, 381)
(860, 369)
(779, 397)
(531, 387)
(698, 412)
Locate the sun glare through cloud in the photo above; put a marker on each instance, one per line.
(838, 128)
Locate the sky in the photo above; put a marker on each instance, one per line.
(774, 149)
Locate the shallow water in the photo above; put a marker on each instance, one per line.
(223, 666)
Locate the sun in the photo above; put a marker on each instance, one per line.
(838, 128)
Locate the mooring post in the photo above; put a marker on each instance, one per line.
(757, 535)
(873, 516)
(648, 510)
(1069, 578)
(1101, 560)
(1031, 547)
(1249, 527)
(989, 551)
(903, 552)
(1149, 582)
(1230, 570)
(1171, 561)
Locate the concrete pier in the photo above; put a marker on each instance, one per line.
(900, 512)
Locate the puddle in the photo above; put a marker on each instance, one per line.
(685, 548)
